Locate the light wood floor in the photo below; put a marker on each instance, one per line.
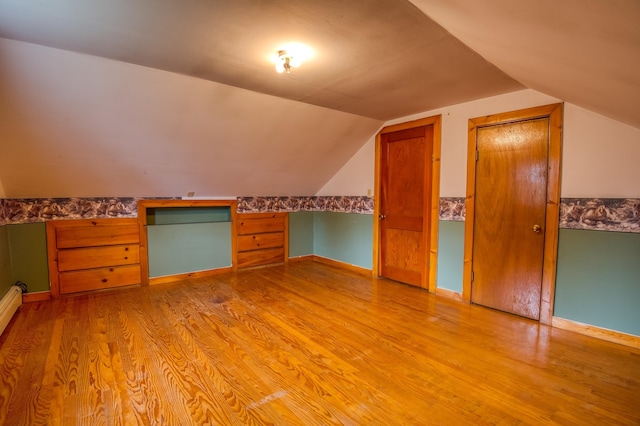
(304, 344)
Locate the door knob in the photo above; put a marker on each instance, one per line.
(537, 229)
(381, 216)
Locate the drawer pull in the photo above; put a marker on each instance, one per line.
(104, 280)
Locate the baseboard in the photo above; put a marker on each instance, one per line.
(342, 265)
(449, 293)
(40, 296)
(597, 332)
(301, 258)
(189, 275)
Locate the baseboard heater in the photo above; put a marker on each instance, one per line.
(9, 304)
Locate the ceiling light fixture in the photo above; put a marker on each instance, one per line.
(286, 61)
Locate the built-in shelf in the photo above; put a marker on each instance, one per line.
(216, 218)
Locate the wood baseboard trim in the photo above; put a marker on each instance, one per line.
(189, 275)
(342, 265)
(450, 294)
(597, 332)
(301, 258)
(36, 297)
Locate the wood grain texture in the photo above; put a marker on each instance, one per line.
(97, 257)
(405, 186)
(77, 236)
(143, 205)
(554, 113)
(302, 344)
(431, 221)
(261, 239)
(511, 186)
(91, 254)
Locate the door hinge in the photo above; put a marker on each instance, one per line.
(472, 276)
(477, 155)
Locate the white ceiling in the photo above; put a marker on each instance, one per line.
(380, 58)
(583, 52)
(373, 61)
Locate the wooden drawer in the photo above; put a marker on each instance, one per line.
(98, 257)
(260, 241)
(260, 223)
(91, 236)
(260, 257)
(100, 278)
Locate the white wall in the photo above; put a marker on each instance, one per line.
(74, 125)
(600, 155)
(356, 176)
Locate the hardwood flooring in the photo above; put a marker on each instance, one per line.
(304, 344)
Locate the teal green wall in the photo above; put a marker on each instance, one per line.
(5, 261)
(598, 276)
(182, 248)
(301, 233)
(598, 279)
(346, 237)
(28, 246)
(169, 215)
(450, 255)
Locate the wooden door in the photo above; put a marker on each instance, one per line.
(508, 242)
(405, 184)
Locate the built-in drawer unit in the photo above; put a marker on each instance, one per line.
(261, 239)
(92, 254)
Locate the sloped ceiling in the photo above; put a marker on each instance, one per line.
(584, 52)
(186, 97)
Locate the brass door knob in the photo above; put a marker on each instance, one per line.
(537, 229)
(381, 216)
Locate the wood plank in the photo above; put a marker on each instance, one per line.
(38, 296)
(247, 226)
(597, 332)
(97, 257)
(100, 278)
(302, 343)
(188, 275)
(260, 257)
(260, 241)
(70, 237)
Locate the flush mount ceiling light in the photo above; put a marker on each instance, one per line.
(286, 61)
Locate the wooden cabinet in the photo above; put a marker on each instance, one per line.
(261, 239)
(92, 254)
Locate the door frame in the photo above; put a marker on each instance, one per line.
(554, 113)
(430, 217)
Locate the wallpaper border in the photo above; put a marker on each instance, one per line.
(34, 210)
(594, 214)
(599, 214)
(342, 204)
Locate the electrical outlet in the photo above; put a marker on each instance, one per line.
(368, 192)
(190, 194)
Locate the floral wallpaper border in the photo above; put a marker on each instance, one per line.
(341, 204)
(32, 210)
(602, 214)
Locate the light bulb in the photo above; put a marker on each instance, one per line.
(294, 61)
(280, 67)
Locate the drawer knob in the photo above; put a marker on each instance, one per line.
(104, 280)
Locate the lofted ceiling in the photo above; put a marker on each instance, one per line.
(258, 132)
(380, 59)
